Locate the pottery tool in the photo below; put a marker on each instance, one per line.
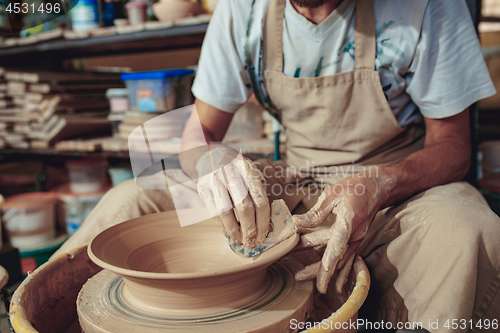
(282, 228)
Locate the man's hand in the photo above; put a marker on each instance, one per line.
(226, 179)
(354, 201)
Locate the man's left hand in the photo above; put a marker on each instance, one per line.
(354, 201)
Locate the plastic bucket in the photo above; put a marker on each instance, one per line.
(32, 259)
(348, 312)
(87, 175)
(73, 208)
(29, 219)
(46, 300)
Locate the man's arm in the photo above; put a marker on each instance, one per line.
(214, 124)
(444, 158)
(238, 191)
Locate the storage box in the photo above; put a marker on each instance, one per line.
(157, 90)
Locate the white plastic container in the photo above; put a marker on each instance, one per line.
(136, 12)
(29, 219)
(85, 15)
(75, 207)
(118, 100)
(87, 175)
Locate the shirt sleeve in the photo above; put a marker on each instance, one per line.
(221, 79)
(448, 72)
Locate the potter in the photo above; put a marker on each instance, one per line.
(356, 84)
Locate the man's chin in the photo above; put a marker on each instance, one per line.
(309, 3)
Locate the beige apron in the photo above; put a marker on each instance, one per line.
(337, 122)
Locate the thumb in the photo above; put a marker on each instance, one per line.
(318, 213)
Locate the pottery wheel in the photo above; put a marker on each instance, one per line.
(102, 307)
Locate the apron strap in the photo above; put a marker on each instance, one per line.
(364, 38)
(274, 35)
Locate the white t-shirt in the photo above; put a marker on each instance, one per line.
(428, 54)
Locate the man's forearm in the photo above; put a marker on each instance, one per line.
(439, 163)
(194, 145)
(206, 124)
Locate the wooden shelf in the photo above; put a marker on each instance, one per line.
(169, 38)
(55, 152)
(48, 55)
(254, 149)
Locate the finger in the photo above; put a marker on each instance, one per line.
(246, 211)
(351, 249)
(319, 212)
(236, 186)
(313, 239)
(224, 207)
(336, 247)
(308, 273)
(341, 232)
(254, 179)
(344, 274)
(243, 205)
(206, 196)
(323, 278)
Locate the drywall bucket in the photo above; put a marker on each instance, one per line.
(46, 300)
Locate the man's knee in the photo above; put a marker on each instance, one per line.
(456, 211)
(448, 210)
(126, 190)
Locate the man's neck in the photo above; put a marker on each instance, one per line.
(318, 14)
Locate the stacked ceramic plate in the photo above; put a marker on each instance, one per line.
(158, 126)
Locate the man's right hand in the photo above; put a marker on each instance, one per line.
(228, 179)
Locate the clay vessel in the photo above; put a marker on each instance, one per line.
(169, 269)
(166, 10)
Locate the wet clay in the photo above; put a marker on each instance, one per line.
(172, 274)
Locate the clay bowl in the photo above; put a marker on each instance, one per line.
(170, 269)
(166, 10)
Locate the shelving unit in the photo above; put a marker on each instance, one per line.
(49, 55)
